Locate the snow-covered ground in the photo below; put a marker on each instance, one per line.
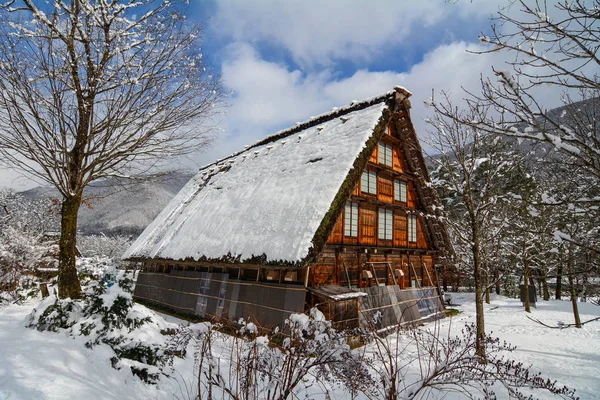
(45, 365)
(571, 356)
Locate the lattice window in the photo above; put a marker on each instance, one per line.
(386, 224)
(400, 191)
(368, 182)
(351, 220)
(412, 228)
(385, 154)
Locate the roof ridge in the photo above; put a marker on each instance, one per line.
(316, 120)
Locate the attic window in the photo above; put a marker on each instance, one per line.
(351, 220)
(400, 191)
(385, 154)
(368, 182)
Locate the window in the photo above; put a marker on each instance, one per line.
(386, 220)
(351, 220)
(412, 228)
(368, 182)
(400, 191)
(385, 154)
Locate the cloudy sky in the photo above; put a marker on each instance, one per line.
(287, 60)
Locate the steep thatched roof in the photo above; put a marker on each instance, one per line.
(269, 199)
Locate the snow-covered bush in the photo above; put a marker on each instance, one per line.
(425, 363)
(252, 363)
(108, 316)
(310, 357)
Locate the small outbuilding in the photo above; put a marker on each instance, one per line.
(336, 212)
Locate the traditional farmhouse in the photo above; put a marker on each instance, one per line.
(335, 212)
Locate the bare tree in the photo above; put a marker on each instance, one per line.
(474, 176)
(553, 46)
(91, 89)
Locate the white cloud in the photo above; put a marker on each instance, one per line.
(315, 33)
(270, 96)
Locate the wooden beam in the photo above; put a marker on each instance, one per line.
(337, 267)
(360, 269)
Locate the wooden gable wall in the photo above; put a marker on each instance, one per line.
(389, 196)
(385, 199)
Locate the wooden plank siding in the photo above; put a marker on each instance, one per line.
(374, 156)
(421, 237)
(398, 160)
(352, 264)
(400, 230)
(337, 234)
(367, 225)
(411, 195)
(385, 189)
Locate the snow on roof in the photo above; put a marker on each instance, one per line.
(268, 199)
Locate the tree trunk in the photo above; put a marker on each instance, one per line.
(559, 272)
(544, 284)
(497, 278)
(584, 288)
(526, 284)
(572, 290)
(479, 316)
(445, 279)
(68, 281)
(487, 283)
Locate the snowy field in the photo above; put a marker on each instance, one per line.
(45, 365)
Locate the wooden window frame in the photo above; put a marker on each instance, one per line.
(400, 191)
(385, 220)
(385, 155)
(351, 220)
(370, 177)
(412, 228)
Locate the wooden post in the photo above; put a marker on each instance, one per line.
(360, 269)
(306, 277)
(410, 274)
(337, 266)
(388, 269)
(44, 289)
(422, 269)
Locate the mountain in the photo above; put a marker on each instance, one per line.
(115, 207)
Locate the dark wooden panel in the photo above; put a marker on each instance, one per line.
(400, 230)
(337, 234)
(385, 189)
(411, 196)
(398, 165)
(421, 240)
(323, 270)
(367, 226)
(373, 158)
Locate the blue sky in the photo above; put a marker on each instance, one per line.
(284, 61)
